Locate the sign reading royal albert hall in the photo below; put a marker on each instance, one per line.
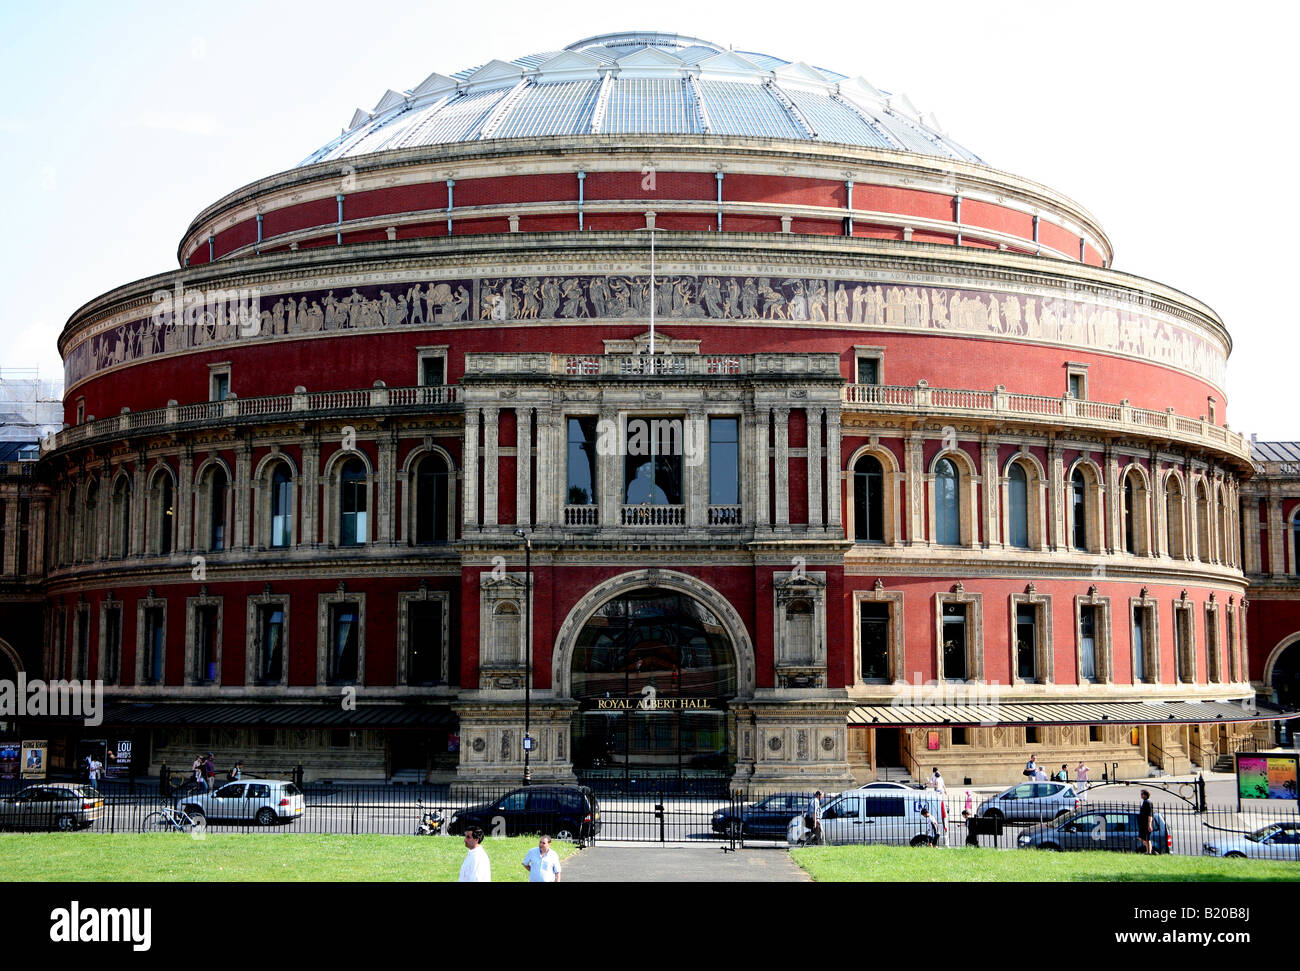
(1124, 327)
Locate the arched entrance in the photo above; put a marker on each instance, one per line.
(653, 670)
(1282, 673)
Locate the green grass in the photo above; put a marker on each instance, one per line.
(968, 865)
(238, 856)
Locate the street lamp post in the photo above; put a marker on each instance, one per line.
(528, 651)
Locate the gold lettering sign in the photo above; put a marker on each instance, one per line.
(653, 704)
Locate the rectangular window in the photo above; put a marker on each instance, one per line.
(1094, 733)
(1077, 385)
(1088, 642)
(1183, 645)
(954, 642)
(1139, 645)
(353, 511)
(874, 641)
(24, 528)
(155, 639)
(343, 643)
(960, 736)
(205, 643)
(724, 462)
(868, 370)
(4, 511)
(582, 462)
(1026, 642)
(80, 668)
(112, 644)
(652, 470)
(220, 385)
(270, 645)
(340, 738)
(433, 371)
(1032, 736)
(266, 737)
(1212, 646)
(424, 643)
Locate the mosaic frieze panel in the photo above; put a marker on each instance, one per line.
(467, 302)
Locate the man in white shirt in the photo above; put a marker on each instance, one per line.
(477, 868)
(543, 863)
(936, 782)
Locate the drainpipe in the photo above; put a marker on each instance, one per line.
(582, 177)
(1035, 231)
(451, 183)
(338, 236)
(848, 222)
(212, 248)
(957, 203)
(258, 247)
(1081, 245)
(718, 176)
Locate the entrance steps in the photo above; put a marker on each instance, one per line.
(892, 773)
(407, 777)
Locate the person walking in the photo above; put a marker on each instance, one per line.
(1031, 768)
(210, 772)
(971, 838)
(1040, 774)
(542, 863)
(969, 808)
(936, 782)
(236, 772)
(477, 868)
(1081, 779)
(931, 828)
(1063, 775)
(1146, 816)
(196, 770)
(814, 820)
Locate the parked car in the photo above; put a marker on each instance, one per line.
(261, 801)
(564, 812)
(1031, 802)
(875, 817)
(768, 817)
(910, 786)
(1097, 829)
(1277, 841)
(51, 806)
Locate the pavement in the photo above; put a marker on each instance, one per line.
(606, 863)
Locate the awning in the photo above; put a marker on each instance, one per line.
(1083, 713)
(283, 715)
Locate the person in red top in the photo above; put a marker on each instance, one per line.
(210, 772)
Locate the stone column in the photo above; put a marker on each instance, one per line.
(491, 465)
(239, 534)
(696, 476)
(1276, 561)
(914, 470)
(834, 477)
(1159, 511)
(761, 503)
(385, 481)
(469, 471)
(548, 449)
(1114, 503)
(138, 498)
(9, 552)
(38, 515)
(1056, 497)
(1250, 554)
(309, 487)
(782, 466)
(992, 492)
(609, 474)
(523, 470)
(814, 466)
(185, 501)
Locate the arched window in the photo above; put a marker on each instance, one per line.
(70, 525)
(1295, 545)
(1130, 527)
(352, 503)
(1018, 506)
(868, 500)
(162, 513)
(281, 506)
(947, 509)
(432, 505)
(120, 528)
(217, 487)
(1174, 537)
(1203, 551)
(1079, 503)
(90, 532)
(1225, 552)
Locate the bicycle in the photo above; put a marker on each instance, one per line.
(169, 820)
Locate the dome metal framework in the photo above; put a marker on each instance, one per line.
(642, 82)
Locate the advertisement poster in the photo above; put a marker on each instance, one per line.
(34, 759)
(118, 763)
(91, 751)
(1268, 777)
(10, 753)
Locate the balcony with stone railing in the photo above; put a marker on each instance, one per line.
(1121, 418)
(299, 404)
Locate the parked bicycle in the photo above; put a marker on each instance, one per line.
(170, 820)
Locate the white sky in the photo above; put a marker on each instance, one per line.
(1173, 123)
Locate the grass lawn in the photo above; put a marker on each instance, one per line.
(969, 865)
(252, 856)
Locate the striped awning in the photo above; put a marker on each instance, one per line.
(282, 715)
(1065, 713)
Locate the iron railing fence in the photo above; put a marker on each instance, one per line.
(1104, 818)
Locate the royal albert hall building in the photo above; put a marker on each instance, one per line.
(876, 464)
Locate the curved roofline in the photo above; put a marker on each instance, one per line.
(650, 37)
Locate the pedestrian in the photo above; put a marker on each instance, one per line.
(197, 770)
(96, 772)
(971, 838)
(1081, 779)
(814, 820)
(1063, 775)
(210, 772)
(936, 782)
(543, 863)
(477, 868)
(236, 772)
(1145, 817)
(931, 830)
(1031, 768)
(969, 808)
(1040, 774)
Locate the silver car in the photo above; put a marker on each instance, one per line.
(1031, 802)
(61, 807)
(263, 801)
(1277, 841)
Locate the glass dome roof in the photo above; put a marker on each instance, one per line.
(641, 82)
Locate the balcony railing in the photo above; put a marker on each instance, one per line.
(724, 515)
(647, 515)
(269, 406)
(582, 515)
(1000, 403)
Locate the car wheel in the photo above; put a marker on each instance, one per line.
(1234, 855)
(266, 816)
(567, 834)
(196, 814)
(66, 823)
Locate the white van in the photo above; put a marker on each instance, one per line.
(876, 816)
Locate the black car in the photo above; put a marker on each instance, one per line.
(769, 817)
(1097, 829)
(563, 812)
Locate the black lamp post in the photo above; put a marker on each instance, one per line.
(528, 651)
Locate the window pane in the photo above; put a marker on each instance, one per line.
(1080, 510)
(954, 641)
(431, 514)
(652, 471)
(868, 370)
(874, 641)
(424, 643)
(1018, 507)
(270, 667)
(343, 655)
(1026, 642)
(433, 371)
(1088, 642)
(947, 520)
(1130, 542)
(281, 506)
(1139, 645)
(868, 498)
(582, 462)
(724, 462)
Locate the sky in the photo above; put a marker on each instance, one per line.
(1172, 123)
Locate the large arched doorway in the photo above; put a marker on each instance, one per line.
(1285, 676)
(652, 670)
